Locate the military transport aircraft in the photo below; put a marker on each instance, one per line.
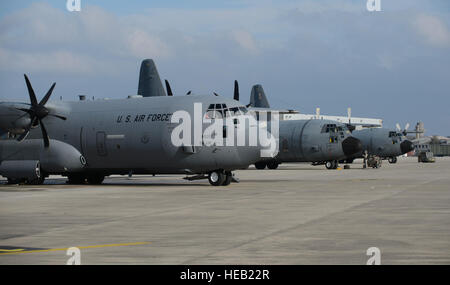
(382, 142)
(88, 140)
(317, 141)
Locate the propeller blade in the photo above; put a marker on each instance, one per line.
(58, 116)
(27, 130)
(30, 91)
(23, 136)
(398, 127)
(189, 93)
(28, 111)
(44, 135)
(169, 90)
(215, 94)
(248, 105)
(236, 91)
(47, 96)
(407, 126)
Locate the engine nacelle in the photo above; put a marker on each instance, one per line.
(21, 169)
(59, 158)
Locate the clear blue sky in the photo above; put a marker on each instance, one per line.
(331, 54)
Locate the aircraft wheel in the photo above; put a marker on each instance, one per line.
(333, 164)
(95, 179)
(260, 165)
(228, 178)
(272, 165)
(76, 179)
(216, 178)
(392, 159)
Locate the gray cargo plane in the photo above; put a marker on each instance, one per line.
(317, 141)
(88, 140)
(381, 142)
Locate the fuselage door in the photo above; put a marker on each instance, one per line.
(101, 144)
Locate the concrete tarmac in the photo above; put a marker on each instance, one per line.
(297, 214)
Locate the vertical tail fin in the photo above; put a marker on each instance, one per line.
(149, 82)
(258, 97)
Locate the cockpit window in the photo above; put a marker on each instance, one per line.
(234, 111)
(216, 111)
(330, 128)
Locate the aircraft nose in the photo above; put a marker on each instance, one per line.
(406, 146)
(351, 146)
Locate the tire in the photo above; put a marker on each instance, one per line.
(228, 178)
(95, 179)
(76, 179)
(333, 164)
(272, 165)
(216, 178)
(260, 165)
(392, 159)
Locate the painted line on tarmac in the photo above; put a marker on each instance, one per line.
(19, 250)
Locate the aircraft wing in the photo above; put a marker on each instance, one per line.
(10, 114)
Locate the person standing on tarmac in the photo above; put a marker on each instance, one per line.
(365, 155)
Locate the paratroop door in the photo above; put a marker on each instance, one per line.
(101, 144)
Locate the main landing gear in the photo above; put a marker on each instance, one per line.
(220, 178)
(392, 159)
(216, 178)
(270, 165)
(332, 164)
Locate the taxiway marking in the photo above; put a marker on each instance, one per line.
(18, 251)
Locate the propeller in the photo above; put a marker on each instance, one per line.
(38, 112)
(404, 131)
(169, 90)
(350, 127)
(236, 91)
(216, 94)
(189, 92)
